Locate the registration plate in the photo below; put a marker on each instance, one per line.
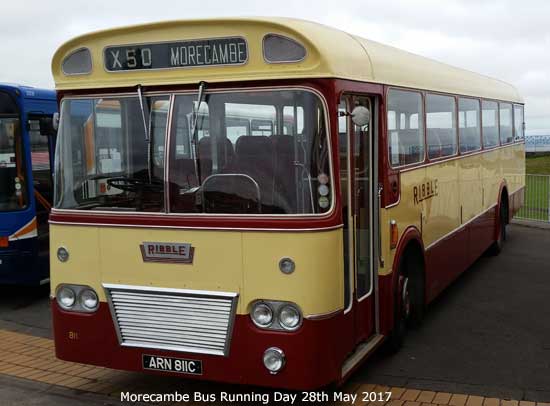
(168, 364)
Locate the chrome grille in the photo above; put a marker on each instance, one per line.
(173, 319)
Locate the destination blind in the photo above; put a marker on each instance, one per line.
(179, 54)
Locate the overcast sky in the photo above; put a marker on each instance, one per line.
(506, 39)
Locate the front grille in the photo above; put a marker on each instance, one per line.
(173, 319)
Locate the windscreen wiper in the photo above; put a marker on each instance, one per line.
(144, 114)
(194, 135)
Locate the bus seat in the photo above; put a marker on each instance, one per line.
(285, 172)
(226, 155)
(447, 138)
(434, 143)
(183, 172)
(255, 157)
(408, 146)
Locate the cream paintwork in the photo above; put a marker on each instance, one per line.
(242, 262)
(331, 53)
(480, 174)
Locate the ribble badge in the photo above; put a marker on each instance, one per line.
(179, 253)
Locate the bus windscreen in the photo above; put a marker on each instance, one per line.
(261, 152)
(12, 173)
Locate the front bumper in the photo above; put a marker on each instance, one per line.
(314, 353)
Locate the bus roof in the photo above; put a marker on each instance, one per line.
(330, 53)
(29, 92)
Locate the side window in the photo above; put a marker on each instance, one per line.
(440, 125)
(293, 125)
(108, 138)
(489, 117)
(469, 133)
(249, 119)
(184, 124)
(40, 158)
(405, 127)
(506, 128)
(518, 122)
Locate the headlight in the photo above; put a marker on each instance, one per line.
(274, 360)
(77, 298)
(276, 315)
(290, 317)
(66, 297)
(88, 299)
(262, 315)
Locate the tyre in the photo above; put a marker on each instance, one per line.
(498, 244)
(409, 303)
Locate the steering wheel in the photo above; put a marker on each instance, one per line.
(128, 184)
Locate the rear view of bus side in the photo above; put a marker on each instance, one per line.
(27, 140)
(266, 201)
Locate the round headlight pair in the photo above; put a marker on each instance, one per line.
(285, 316)
(71, 297)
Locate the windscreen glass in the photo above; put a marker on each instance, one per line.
(263, 152)
(13, 194)
(110, 154)
(251, 153)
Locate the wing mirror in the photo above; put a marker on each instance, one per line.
(49, 125)
(360, 116)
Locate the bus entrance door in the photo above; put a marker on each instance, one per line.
(362, 221)
(356, 146)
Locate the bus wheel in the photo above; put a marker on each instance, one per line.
(401, 311)
(409, 299)
(498, 244)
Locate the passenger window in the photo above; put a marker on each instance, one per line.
(183, 148)
(159, 117)
(469, 133)
(518, 122)
(406, 135)
(40, 158)
(489, 117)
(108, 139)
(440, 125)
(506, 129)
(236, 127)
(249, 119)
(293, 120)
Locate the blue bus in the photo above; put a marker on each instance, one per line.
(27, 139)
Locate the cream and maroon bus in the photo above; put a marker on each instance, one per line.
(265, 201)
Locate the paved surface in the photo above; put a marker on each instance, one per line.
(487, 335)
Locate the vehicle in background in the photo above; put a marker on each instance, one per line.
(27, 140)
